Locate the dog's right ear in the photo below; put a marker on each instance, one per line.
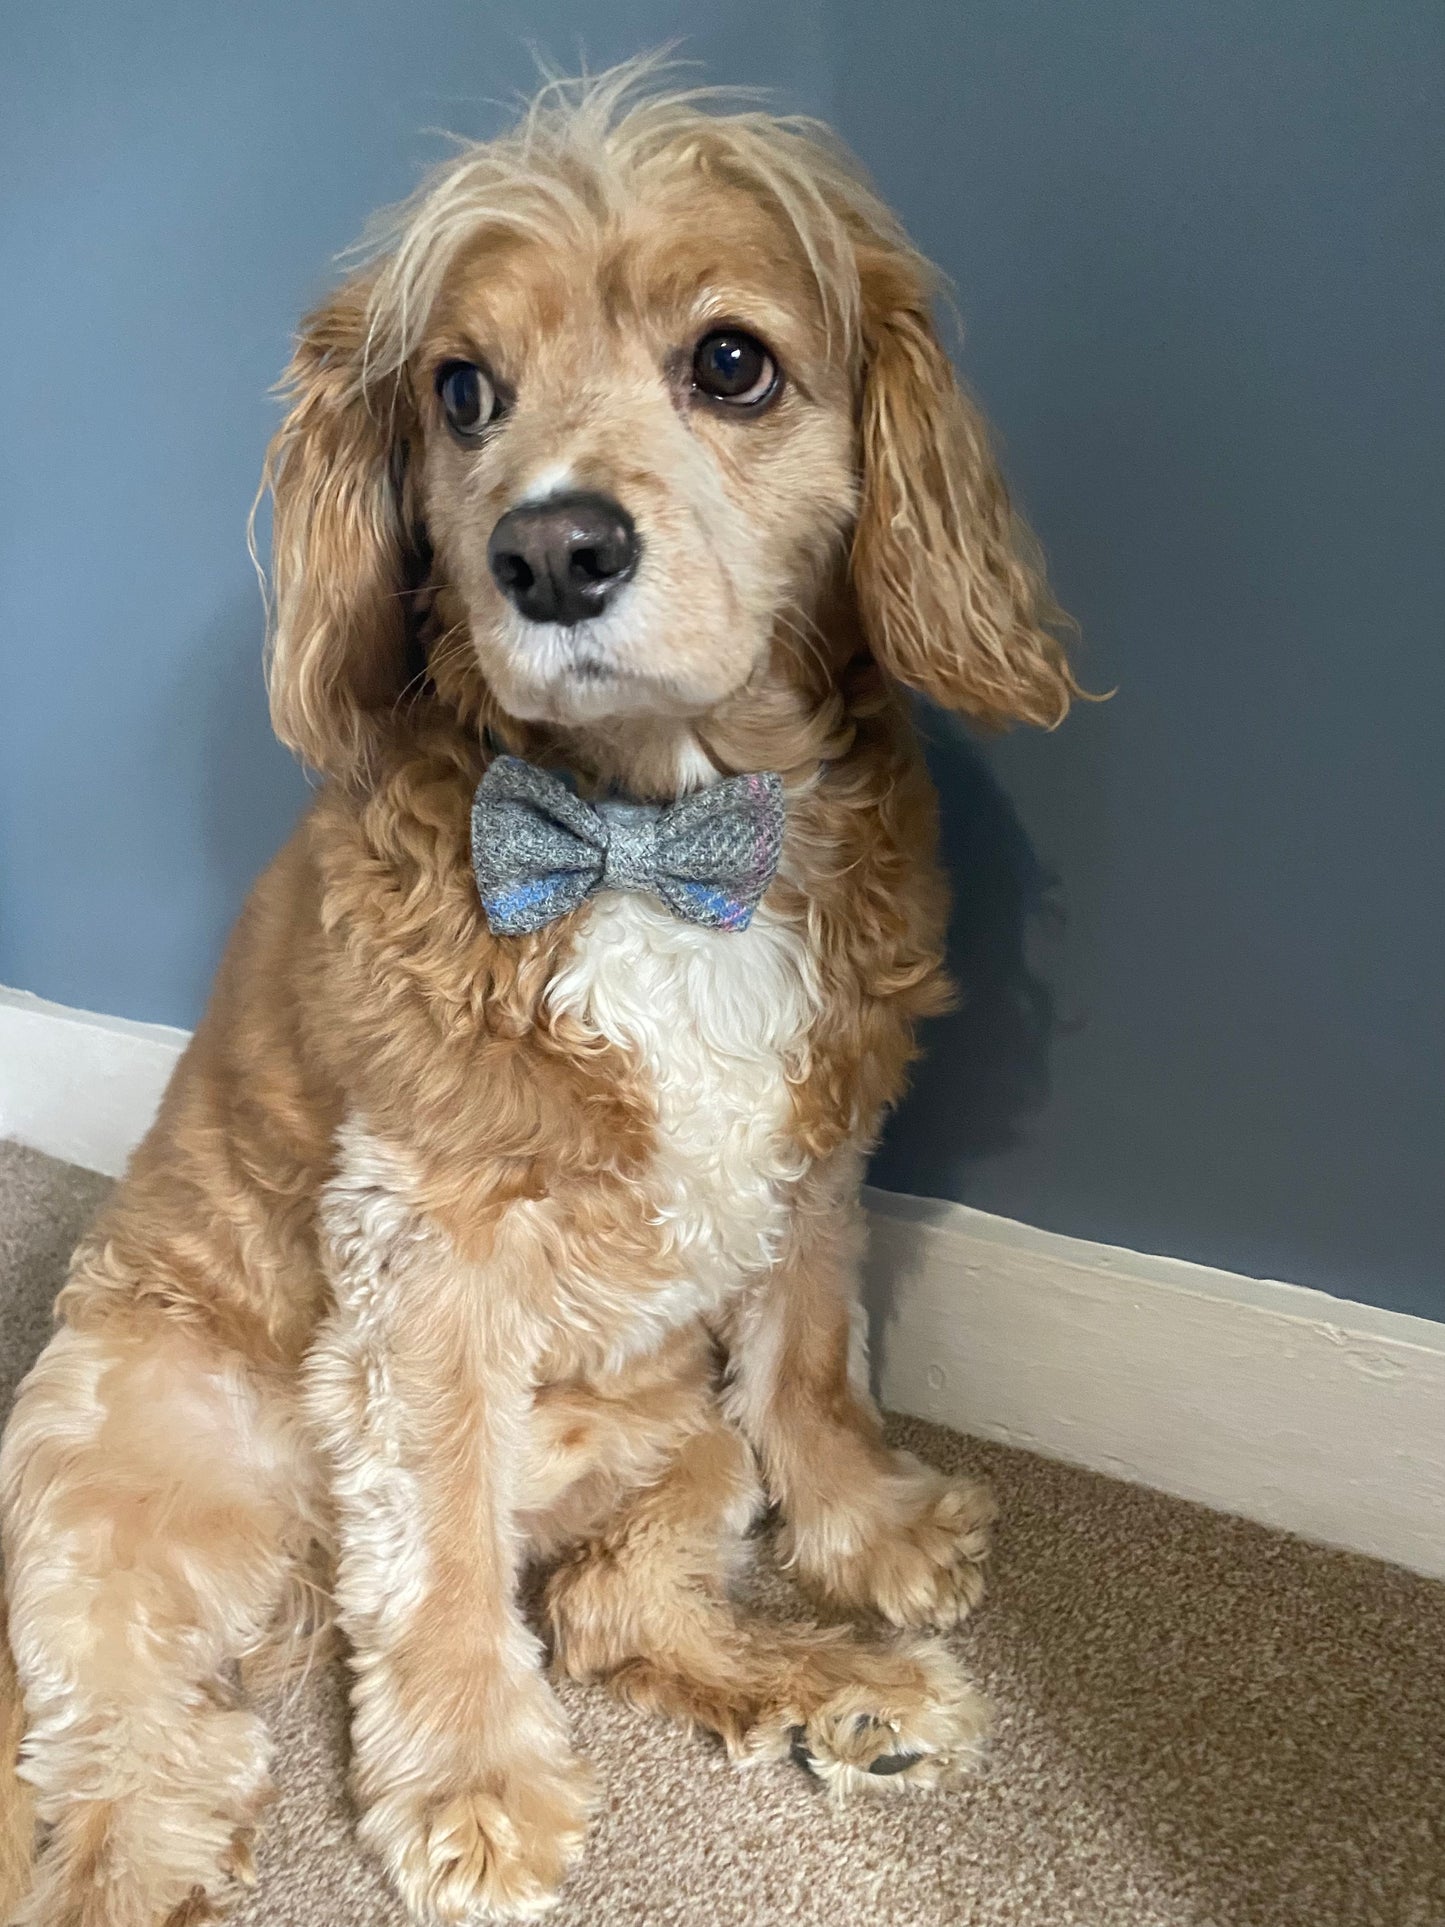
(339, 545)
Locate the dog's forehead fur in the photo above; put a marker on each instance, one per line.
(682, 255)
(656, 195)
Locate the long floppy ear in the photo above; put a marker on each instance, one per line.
(339, 548)
(949, 584)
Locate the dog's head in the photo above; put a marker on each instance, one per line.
(629, 393)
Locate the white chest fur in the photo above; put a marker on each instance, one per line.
(716, 1020)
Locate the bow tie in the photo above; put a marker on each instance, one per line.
(539, 851)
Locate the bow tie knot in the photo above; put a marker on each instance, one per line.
(539, 851)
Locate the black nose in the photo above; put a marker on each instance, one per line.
(564, 559)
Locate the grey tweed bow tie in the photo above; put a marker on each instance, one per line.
(538, 851)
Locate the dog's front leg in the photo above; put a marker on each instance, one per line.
(866, 1527)
(420, 1390)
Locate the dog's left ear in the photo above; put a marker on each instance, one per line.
(950, 587)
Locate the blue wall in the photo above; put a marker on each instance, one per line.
(1201, 255)
(1198, 249)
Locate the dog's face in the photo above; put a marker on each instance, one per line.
(640, 403)
(637, 455)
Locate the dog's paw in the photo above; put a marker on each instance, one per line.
(495, 1848)
(910, 1548)
(908, 1719)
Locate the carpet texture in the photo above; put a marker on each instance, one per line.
(1199, 1723)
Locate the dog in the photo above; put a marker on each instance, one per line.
(502, 1215)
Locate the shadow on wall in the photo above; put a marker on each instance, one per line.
(985, 1068)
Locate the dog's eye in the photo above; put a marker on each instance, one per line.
(734, 367)
(467, 395)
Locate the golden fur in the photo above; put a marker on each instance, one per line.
(393, 1289)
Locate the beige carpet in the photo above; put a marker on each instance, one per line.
(1199, 1724)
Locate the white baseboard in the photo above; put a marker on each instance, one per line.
(82, 1087)
(1272, 1401)
(1312, 1413)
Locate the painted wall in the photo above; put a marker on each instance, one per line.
(1198, 254)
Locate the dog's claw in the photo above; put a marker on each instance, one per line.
(885, 1763)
